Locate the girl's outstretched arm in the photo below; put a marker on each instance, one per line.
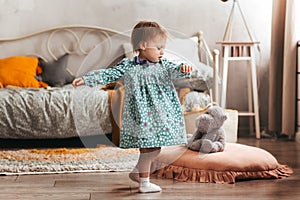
(177, 70)
(109, 75)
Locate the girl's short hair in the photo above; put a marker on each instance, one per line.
(145, 30)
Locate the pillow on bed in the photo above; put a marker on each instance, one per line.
(182, 164)
(55, 73)
(20, 71)
(183, 49)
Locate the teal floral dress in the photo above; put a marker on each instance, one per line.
(152, 114)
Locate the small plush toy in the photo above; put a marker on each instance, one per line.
(210, 135)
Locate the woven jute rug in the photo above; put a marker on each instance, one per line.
(66, 160)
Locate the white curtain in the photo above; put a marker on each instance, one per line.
(282, 92)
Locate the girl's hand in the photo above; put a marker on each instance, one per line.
(77, 82)
(186, 68)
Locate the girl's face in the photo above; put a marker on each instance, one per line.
(153, 50)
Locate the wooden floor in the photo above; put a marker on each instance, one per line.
(92, 186)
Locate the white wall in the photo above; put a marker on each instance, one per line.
(187, 16)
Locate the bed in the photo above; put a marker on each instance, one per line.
(49, 107)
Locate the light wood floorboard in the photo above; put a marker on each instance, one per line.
(115, 185)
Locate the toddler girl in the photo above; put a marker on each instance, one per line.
(152, 115)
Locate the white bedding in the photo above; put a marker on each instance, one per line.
(57, 113)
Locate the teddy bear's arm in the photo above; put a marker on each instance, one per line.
(222, 136)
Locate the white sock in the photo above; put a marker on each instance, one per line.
(144, 181)
(147, 187)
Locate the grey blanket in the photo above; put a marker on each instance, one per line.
(57, 113)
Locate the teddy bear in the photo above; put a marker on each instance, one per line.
(209, 136)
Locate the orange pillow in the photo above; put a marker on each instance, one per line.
(20, 71)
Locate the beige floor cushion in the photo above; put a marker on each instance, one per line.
(236, 162)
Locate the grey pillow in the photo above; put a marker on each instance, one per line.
(55, 73)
